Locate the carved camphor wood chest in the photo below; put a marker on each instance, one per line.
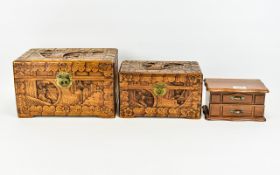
(160, 89)
(66, 82)
(235, 99)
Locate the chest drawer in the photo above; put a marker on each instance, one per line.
(237, 98)
(237, 110)
(232, 110)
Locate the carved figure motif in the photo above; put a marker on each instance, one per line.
(47, 91)
(143, 98)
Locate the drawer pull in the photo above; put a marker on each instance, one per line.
(236, 111)
(237, 98)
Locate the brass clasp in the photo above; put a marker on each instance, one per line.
(159, 89)
(64, 79)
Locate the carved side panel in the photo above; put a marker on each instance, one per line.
(91, 92)
(160, 95)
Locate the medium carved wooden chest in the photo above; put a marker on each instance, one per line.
(160, 89)
(66, 82)
(235, 99)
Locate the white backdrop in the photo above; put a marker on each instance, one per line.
(230, 38)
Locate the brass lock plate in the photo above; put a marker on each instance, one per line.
(64, 79)
(159, 89)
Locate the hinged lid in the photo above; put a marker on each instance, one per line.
(77, 62)
(71, 54)
(235, 85)
(160, 67)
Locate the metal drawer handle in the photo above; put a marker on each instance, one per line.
(237, 98)
(236, 111)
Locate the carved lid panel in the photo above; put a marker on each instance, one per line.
(59, 54)
(160, 67)
(78, 63)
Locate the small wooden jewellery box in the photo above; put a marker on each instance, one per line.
(160, 89)
(66, 82)
(235, 99)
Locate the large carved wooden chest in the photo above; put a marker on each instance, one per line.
(160, 89)
(235, 99)
(66, 82)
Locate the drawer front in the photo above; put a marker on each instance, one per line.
(232, 110)
(237, 98)
(237, 110)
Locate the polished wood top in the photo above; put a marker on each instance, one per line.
(235, 85)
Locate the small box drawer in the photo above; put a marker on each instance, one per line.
(237, 98)
(238, 110)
